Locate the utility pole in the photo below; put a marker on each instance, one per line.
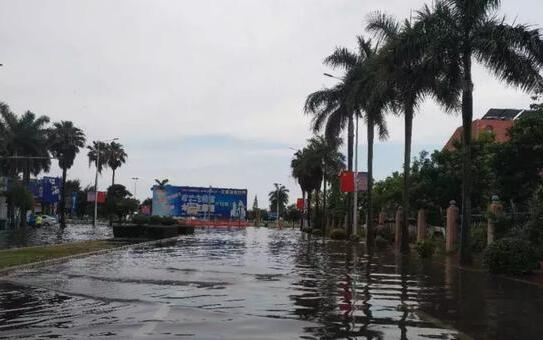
(135, 179)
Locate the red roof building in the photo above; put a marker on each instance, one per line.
(496, 121)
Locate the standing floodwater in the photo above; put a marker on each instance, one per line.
(263, 284)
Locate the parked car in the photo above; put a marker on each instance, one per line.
(47, 220)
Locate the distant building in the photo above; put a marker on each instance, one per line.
(497, 121)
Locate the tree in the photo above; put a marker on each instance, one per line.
(279, 195)
(412, 80)
(119, 202)
(116, 157)
(93, 155)
(24, 136)
(453, 33)
(367, 95)
(65, 141)
(331, 161)
(307, 170)
(161, 183)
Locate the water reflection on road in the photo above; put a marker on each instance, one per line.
(30, 236)
(263, 284)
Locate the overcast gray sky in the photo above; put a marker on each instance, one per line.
(204, 92)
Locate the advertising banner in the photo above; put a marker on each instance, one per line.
(199, 202)
(50, 190)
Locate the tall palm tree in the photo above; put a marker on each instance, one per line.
(456, 32)
(93, 153)
(65, 141)
(116, 156)
(24, 136)
(367, 98)
(278, 196)
(411, 80)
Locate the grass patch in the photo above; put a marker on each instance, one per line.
(16, 257)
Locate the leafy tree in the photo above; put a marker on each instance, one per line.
(116, 157)
(19, 197)
(119, 202)
(454, 32)
(292, 213)
(307, 170)
(519, 162)
(24, 136)
(65, 141)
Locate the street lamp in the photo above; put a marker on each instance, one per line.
(135, 179)
(96, 178)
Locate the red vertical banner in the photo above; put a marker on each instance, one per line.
(101, 197)
(346, 181)
(300, 204)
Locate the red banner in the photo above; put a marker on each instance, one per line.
(101, 196)
(300, 204)
(346, 181)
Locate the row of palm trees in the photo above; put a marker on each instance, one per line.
(28, 143)
(430, 55)
(314, 167)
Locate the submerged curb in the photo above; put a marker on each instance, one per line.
(43, 263)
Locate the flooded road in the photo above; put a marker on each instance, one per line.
(30, 236)
(259, 283)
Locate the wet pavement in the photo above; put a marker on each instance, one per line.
(259, 283)
(30, 236)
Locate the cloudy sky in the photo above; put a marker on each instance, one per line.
(204, 92)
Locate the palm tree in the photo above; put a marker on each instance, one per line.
(411, 80)
(161, 183)
(308, 171)
(116, 156)
(24, 136)
(369, 96)
(93, 152)
(278, 198)
(454, 33)
(65, 141)
(331, 161)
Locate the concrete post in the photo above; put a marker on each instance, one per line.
(398, 231)
(381, 218)
(495, 210)
(421, 225)
(452, 226)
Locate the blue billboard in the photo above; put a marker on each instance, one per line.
(46, 189)
(199, 202)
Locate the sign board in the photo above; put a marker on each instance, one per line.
(346, 181)
(199, 202)
(101, 196)
(300, 204)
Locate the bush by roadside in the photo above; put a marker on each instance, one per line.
(510, 256)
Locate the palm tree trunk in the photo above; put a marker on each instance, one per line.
(62, 207)
(404, 244)
(303, 212)
(317, 209)
(113, 176)
(370, 234)
(467, 116)
(324, 214)
(309, 209)
(350, 145)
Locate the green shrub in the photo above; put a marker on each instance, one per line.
(307, 230)
(168, 221)
(155, 220)
(381, 242)
(140, 219)
(477, 239)
(425, 248)
(316, 232)
(510, 256)
(338, 234)
(385, 233)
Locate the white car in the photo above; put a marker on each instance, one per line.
(47, 220)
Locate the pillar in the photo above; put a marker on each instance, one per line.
(495, 210)
(381, 218)
(421, 225)
(398, 231)
(452, 226)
